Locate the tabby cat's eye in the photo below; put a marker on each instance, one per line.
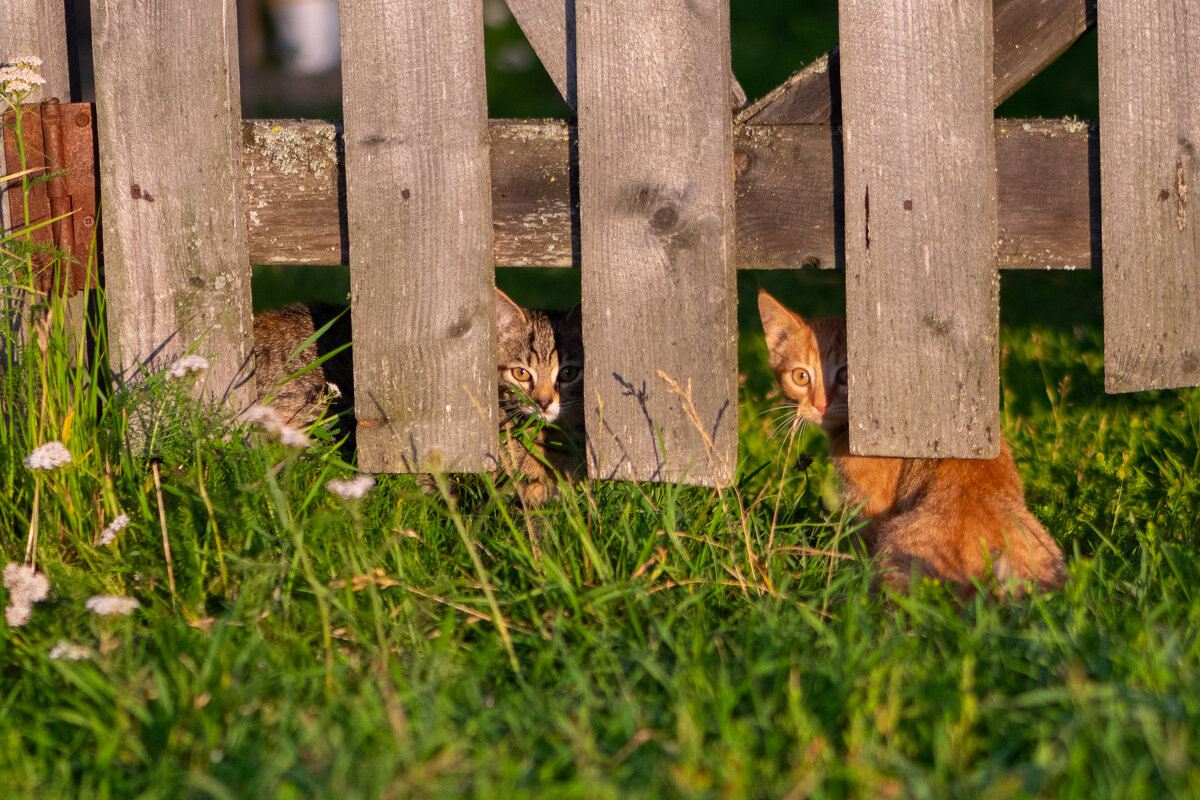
(520, 373)
(568, 374)
(800, 377)
(842, 376)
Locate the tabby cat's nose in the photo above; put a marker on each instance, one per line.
(543, 402)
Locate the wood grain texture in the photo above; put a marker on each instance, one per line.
(656, 196)
(1028, 35)
(168, 117)
(418, 207)
(787, 208)
(1150, 118)
(921, 282)
(1048, 193)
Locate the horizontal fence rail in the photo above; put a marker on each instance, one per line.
(786, 195)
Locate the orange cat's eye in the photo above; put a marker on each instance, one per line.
(568, 374)
(800, 377)
(520, 373)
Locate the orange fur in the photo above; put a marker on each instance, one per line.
(947, 518)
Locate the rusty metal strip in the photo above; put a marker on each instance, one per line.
(67, 181)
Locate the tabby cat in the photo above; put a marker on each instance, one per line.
(945, 518)
(540, 365)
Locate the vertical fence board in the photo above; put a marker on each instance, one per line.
(38, 28)
(920, 188)
(419, 214)
(34, 28)
(1150, 128)
(169, 125)
(656, 199)
(549, 25)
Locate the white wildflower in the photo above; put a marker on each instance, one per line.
(104, 605)
(355, 488)
(109, 534)
(70, 651)
(17, 615)
(264, 418)
(186, 366)
(267, 420)
(51, 455)
(27, 61)
(13, 74)
(333, 389)
(293, 437)
(25, 585)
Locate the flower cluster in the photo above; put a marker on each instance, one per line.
(51, 455)
(19, 76)
(186, 366)
(267, 420)
(355, 488)
(26, 586)
(70, 651)
(109, 534)
(107, 605)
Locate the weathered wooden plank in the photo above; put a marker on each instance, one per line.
(549, 25)
(922, 289)
(656, 196)
(1029, 34)
(168, 116)
(38, 28)
(1150, 117)
(419, 213)
(1048, 193)
(786, 203)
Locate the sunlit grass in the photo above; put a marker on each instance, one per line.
(627, 641)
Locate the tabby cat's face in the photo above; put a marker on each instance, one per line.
(809, 361)
(540, 356)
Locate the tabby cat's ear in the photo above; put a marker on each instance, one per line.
(508, 314)
(575, 315)
(778, 322)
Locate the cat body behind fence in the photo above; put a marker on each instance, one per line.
(947, 518)
(540, 371)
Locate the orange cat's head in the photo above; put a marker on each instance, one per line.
(809, 360)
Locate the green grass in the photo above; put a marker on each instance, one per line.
(662, 641)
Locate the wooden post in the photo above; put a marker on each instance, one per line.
(419, 212)
(656, 207)
(169, 115)
(1150, 129)
(920, 187)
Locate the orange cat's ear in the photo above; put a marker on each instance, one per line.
(778, 322)
(508, 314)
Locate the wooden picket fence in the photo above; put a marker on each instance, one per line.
(882, 157)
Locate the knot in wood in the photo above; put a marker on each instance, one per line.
(664, 219)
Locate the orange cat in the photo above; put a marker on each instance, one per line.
(944, 518)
